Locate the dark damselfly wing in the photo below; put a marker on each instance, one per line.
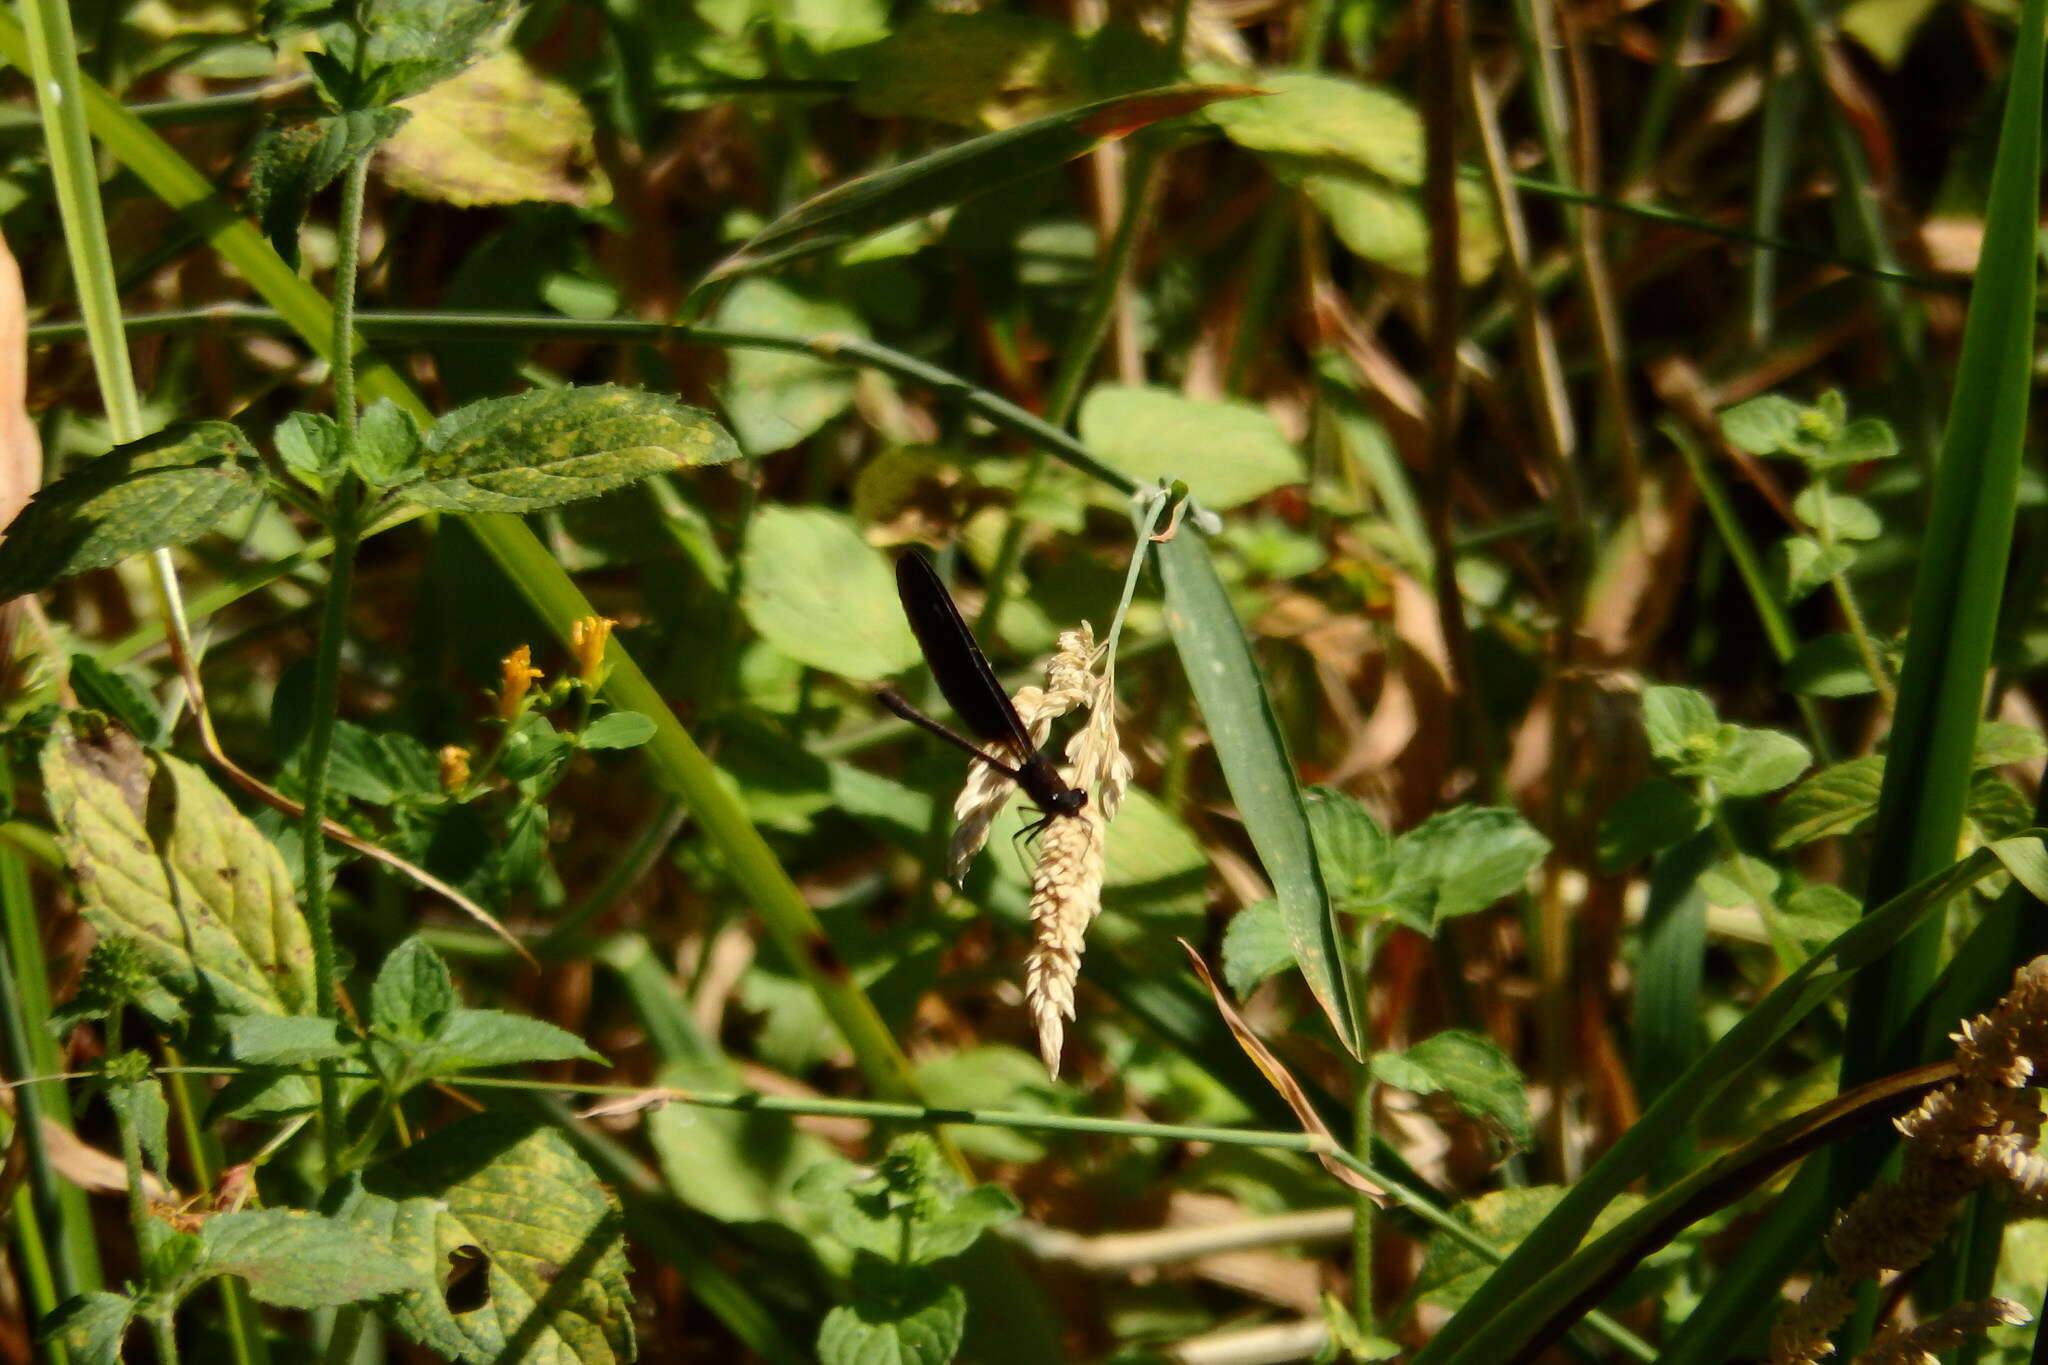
(962, 671)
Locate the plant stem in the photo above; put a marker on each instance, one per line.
(346, 531)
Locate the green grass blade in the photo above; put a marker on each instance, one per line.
(1504, 1309)
(1668, 1030)
(1253, 754)
(1962, 564)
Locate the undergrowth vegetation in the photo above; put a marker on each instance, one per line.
(1517, 519)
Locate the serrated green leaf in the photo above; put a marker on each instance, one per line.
(1766, 425)
(2001, 742)
(474, 1040)
(1754, 762)
(617, 730)
(547, 447)
(395, 49)
(413, 995)
(1328, 117)
(90, 1326)
(173, 1264)
(1470, 1069)
(310, 446)
(990, 69)
(1680, 724)
(1997, 808)
(100, 687)
(1226, 452)
(290, 163)
(287, 1040)
(963, 171)
(1256, 946)
(910, 1208)
(897, 1318)
(293, 1258)
(1808, 564)
(165, 489)
(775, 399)
(387, 444)
(1356, 854)
(382, 768)
(1843, 517)
(1834, 801)
(209, 900)
(140, 1101)
(1828, 666)
(1462, 860)
(856, 629)
(520, 1195)
(1652, 817)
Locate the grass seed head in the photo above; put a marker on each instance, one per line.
(1066, 894)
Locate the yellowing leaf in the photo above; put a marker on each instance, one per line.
(986, 70)
(1353, 122)
(499, 133)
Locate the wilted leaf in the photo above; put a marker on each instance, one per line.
(212, 901)
(499, 133)
(990, 69)
(163, 490)
(546, 447)
(775, 398)
(822, 595)
(1470, 1069)
(296, 1259)
(1228, 452)
(556, 1292)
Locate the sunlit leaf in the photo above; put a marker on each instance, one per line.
(1227, 452)
(856, 629)
(499, 133)
(296, 1259)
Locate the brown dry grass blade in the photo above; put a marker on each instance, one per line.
(1281, 1079)
(21, 451)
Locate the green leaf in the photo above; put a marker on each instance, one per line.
(165, 489)
(993, 1076)
(910, 1208)
(1845, 518)
(382, 768)
(291, 1258)
(1253, 755)
(2001, 742)
(1227, 452)
(289, 163)
(310, 446)
(100, 687)
(413, 995)
(1451, 1270)
(818, 592)
(1256, 945)
(1462, 860)
(1740, 880)
(1829, 666)
(775, 399)
(1808, 564)
(1833, 802)
(473, 1040)
(89, 1326)
(1355, 853)
(617, 730)
(1860, 441)
(990, 69)
(287, 1040)
(548, 1231)
(499, 133)
(1470, 1069)
(1652, 817)
(1766, 425)
(963, 171)
(1754, 762)
(897, 1317)
(1680, 724)
(1997, 808)
(401, 48)
(546, 447)
(207, 900)
(2027, 859)
(387, 444)
(1817, 912)
(535, 750)
(1388, 224)
(1302, 115)
(140, 1101)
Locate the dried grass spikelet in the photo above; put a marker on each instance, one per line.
(1066, 883)
(1801, 1334)
(1984, 1127)
(1924, 1344)
(1066, 894)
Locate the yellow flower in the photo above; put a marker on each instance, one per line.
(517, 677)
(587, 639)
(454, 767)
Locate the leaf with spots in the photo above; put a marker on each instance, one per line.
(297, 1259)
(547, 447)
(518, 1199)
(164, 859)
(163, 490)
